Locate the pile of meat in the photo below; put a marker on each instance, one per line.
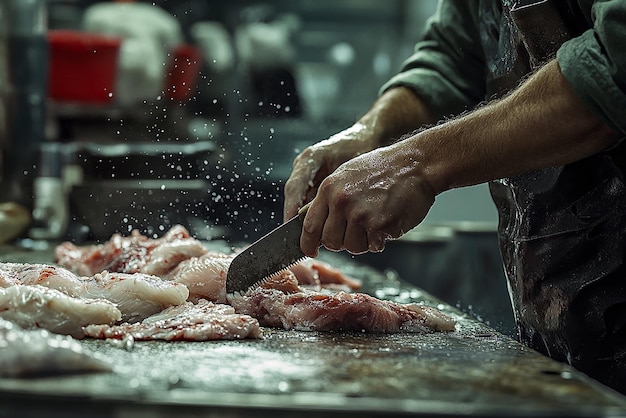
(173, 288)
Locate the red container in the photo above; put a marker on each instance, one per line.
(182, 73)
(82, 66)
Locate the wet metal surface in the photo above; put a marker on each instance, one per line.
(473, 371)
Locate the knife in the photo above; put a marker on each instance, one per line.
(271, 254)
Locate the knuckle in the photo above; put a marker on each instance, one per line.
(336, 194)
(358, 217)
(326, 187)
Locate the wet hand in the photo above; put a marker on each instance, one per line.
(367, 201)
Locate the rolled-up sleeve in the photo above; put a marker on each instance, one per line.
(447, 69)
(594, 63)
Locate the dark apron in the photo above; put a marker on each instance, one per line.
(563, 229)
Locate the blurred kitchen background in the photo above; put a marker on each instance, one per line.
(124, 115)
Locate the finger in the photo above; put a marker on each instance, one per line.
(298, 188)
(334, 232)
(290, 208)
(293, 199)
(313, 227)
(311, 193)
(355, 240)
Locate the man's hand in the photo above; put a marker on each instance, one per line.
(368, 200)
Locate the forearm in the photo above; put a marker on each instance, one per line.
(397, 112)
(541, 124)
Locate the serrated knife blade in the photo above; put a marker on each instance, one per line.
(274, 252)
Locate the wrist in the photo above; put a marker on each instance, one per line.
(397, 112)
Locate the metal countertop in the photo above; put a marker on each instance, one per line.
(473, 371)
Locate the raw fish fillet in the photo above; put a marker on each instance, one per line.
(39, 307)
(188, 322)
(37, 352)
(137, 296)
(134, 254)
(280, 302)
(205, 276)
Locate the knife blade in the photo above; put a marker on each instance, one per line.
(271, 254)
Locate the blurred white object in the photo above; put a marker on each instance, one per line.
(263, 46)
(319, 84)
(150, 34)
(50, 211)
(342, 54)
(216, 45)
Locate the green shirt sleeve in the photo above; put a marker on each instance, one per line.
(594, 63)
(447, 69)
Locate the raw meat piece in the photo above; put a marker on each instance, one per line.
(45, 275)
(133, 254)
(188, 322)
(205, 276)
(7, 278)
(37, 352)
(167, 256)
(319, 274)
(137, 296)
(281, 303)
(39, 307)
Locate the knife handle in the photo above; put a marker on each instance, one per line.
(302, 212)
